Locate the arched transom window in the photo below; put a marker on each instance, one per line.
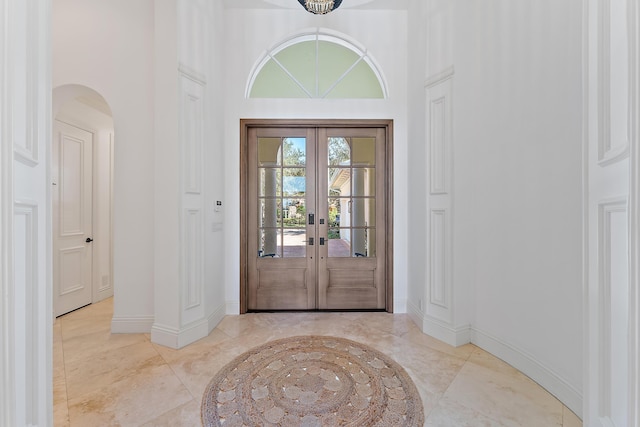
(316, 66)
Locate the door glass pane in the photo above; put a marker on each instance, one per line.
(339, 151)
(363, 151)
(270, 213)
(363, 212)
(293, 213)
(269, 151)
(364, 242)
(269, 179)
(294, 243)
(335, 212)
(268, 243)
(352, 242)
(339, 245)
(363, 182)
(294, 151)
(294, 182)
(339, 181)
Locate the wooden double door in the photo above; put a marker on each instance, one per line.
(316, 214)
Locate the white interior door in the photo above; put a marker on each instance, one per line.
(72, 217)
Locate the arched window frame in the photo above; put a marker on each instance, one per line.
(317, 35)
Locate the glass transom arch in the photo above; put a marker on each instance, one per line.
(316, 66)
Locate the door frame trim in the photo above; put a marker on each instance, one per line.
(246, 124)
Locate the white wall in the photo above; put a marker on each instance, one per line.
(417, 173)
(248, 34)
(108, 46)
(189, 252)
(215, 172)
(518, 171)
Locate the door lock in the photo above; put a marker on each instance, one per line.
(322, 239)
(312, 218)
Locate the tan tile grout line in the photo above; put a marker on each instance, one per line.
(64, 369)
(194, 398)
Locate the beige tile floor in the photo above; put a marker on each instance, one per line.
(104, 379)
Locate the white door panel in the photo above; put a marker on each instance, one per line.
(72, 217)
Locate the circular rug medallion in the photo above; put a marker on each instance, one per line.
(312, 381)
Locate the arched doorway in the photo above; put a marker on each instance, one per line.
(82, 198)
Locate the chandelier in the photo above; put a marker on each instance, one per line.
(320, 7)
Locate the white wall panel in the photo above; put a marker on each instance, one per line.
(439, 124)
(614, 312)
(613, 81)
(440, 265)
(192, 86)
(26, 278)
(191, 130)
(26, 87)
(608, 314)
(439, 135)
(193, 258)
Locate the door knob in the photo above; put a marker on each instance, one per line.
(89, 240)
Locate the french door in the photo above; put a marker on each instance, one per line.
(316, 213)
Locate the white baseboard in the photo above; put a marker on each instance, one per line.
(131, 324)
(534, 369)
(216, 317)
(438, 329)
(103, 294)
(178, 338)
(400, 305)
(454, 336)
(233, 307)
(415, 314)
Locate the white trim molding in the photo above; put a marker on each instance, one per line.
(7, 362)
(633, 13)
(440, 77)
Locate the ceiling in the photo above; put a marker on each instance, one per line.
(293, 4)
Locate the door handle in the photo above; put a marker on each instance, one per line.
(89, 240)
(310, 241)
(312, 218)
(322, 240)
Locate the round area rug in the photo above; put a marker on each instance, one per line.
(312, 381)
